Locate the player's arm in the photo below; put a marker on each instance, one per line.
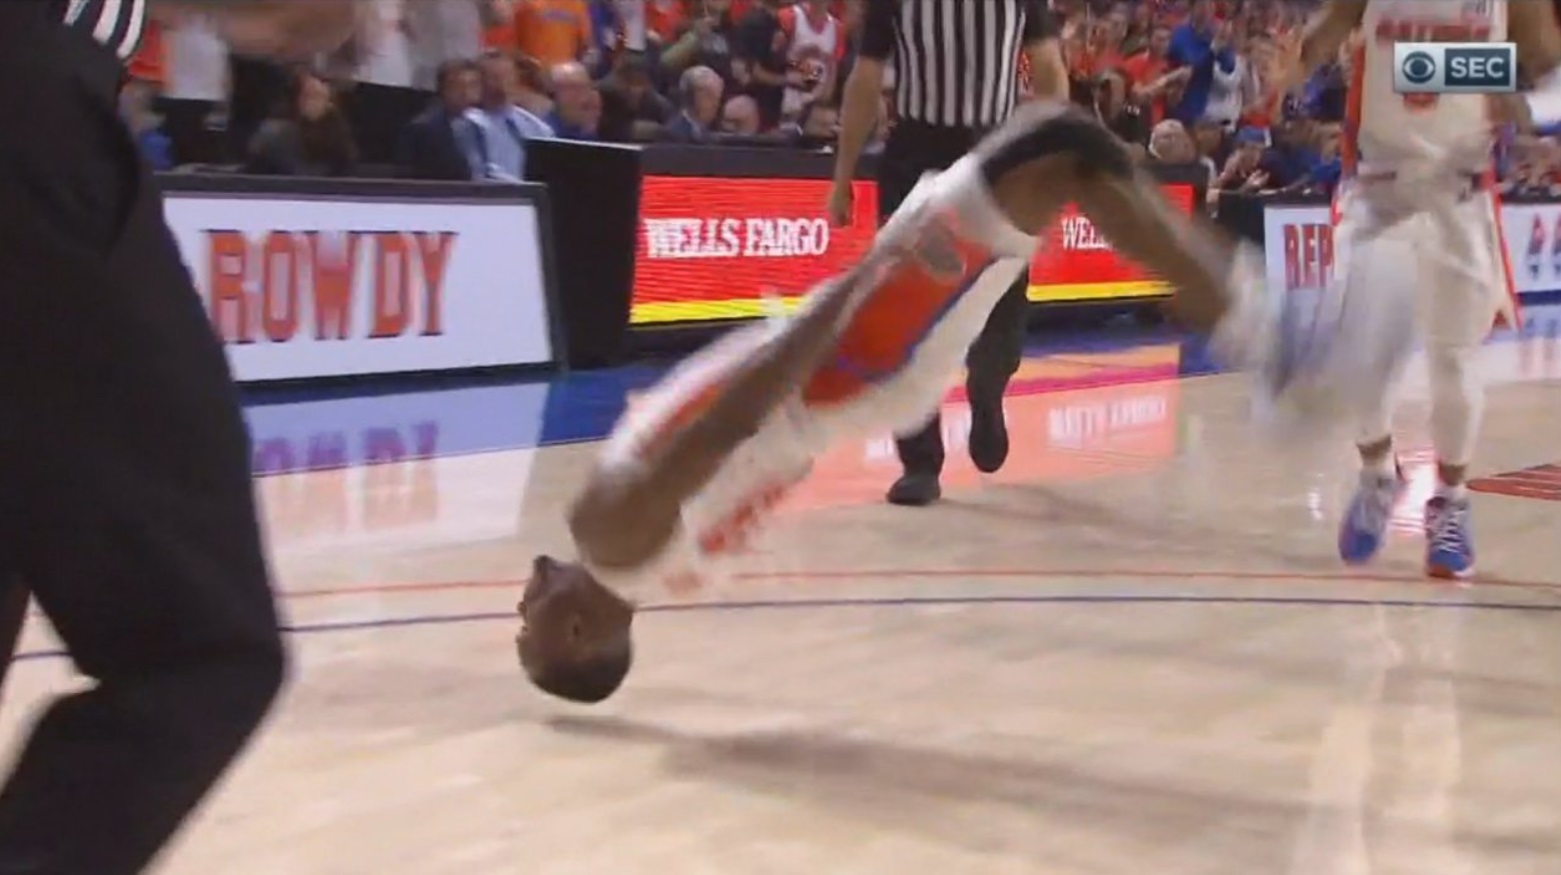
(1534, 28)
(1043, 45)
(1327, 32)
(272, 27)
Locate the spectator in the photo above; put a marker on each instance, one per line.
(616, 26)
(1113, 109)
(664, 19)
(706, 40)
(1150, 77)
(1292, 155)
(1208, 139)
(577, 106)
(555, 32)
(1140, 29)
(1325, 168)
(1243, 170)
(256, 88)
(430, 147)
(1229, 93)
(446, 30)
(1200, 44)
(495, 136)
(632, 110)
(308, 136)
(699, 95)
(1263, 97)
(530, 87)
(381, 64)
(759, 63)
(195, 88)
(815, 43)
(1169, 143)
(1323, 95)
(740, 116)
(819, 125)
(135, 105)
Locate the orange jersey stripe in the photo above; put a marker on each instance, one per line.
(1349, 146)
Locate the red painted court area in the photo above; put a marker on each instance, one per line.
(1542, 482)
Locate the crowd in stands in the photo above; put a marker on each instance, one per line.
(454, 89)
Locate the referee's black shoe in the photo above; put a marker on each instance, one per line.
(915, 489)
(988, 429)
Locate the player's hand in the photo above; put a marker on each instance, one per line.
(1511, 109)
(840, 205)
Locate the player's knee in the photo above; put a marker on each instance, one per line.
(1093, 148)
(1451, 367)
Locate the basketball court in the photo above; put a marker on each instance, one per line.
(1133, 651)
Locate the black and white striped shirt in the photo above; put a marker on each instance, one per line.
(117, 24)
(956, 62)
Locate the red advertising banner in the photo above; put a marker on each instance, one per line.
(1077, 264)
(715, 248)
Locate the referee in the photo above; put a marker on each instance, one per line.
(957, 77)
(125, 498)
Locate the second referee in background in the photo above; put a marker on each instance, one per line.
(956, 66)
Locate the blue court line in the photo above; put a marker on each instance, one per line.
(903, 602)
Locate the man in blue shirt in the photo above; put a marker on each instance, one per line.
(1200, 44)
(494, 134)
(577, 105)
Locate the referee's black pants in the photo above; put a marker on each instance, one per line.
(126, 505)
(912, 150)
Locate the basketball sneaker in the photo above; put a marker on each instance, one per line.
(1365, 522)
(1449, 542)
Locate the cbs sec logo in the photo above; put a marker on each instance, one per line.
(1455, 68)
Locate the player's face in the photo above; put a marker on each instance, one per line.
(567, 616)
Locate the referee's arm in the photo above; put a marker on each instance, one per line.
(860, 106)
(1043, 46)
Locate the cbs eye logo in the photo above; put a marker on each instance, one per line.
(1418, 68)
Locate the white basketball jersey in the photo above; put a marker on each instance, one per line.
(1385, 130)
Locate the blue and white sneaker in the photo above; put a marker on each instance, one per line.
(1449, 538)
(1365, 522)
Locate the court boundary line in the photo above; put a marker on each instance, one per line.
(821, 576)
(869, 602)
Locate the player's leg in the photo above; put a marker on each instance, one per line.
(127, 506)
(1471, 287)
(1214, 278)
(1373, 262)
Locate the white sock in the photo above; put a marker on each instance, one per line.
(1451, 492)
(1385, 467)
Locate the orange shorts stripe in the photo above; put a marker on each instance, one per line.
(887, 329)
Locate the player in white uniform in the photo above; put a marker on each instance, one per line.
(691, 472)
(1418, 254)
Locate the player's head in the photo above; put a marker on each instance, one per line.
(574, 640)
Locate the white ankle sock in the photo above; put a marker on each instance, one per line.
(1452, 493)
(1387, 466)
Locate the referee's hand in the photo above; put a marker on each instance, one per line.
(840, 203)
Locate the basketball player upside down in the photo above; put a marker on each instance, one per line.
(693, 469)
(1418, 251)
